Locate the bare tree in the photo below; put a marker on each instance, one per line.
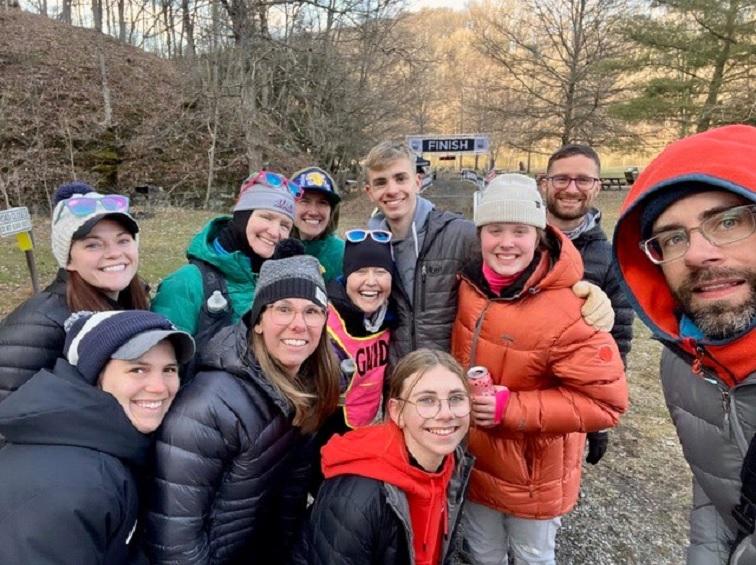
(558, 56)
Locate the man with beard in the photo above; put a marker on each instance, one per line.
(569, 189)
(692, 280)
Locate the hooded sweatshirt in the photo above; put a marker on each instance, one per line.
(379, 452)
(67, 493)
(722, 159)
(407, 249)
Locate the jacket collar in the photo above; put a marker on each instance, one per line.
(229, 351)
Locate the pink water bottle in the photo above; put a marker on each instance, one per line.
(480, 381)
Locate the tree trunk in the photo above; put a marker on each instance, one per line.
(65, 12)
(97, 14)
(188, 28)
(715, 85)
(107, 107)
(121, 20)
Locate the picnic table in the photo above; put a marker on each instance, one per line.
(613, 183)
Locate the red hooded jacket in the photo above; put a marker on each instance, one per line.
(379, 452)
(723, 158)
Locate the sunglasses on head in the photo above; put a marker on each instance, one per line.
(272, 180)
(84, 206)
(356, 236)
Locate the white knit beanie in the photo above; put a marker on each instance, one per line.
(66, 225)
(511, 198)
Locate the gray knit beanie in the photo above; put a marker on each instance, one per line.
(257, 193)
(511, 198)
(294, 276)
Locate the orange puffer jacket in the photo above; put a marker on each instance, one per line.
(566, 379)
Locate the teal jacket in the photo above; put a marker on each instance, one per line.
(330, 252)
(181, 294)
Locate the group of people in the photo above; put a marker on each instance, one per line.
(291, 396)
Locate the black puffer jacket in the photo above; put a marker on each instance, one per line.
(231, 476)
(600, 269)
(449, 242)
(67, 491)
(32, 336)
(362, 521)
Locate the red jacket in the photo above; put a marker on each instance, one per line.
(566, 379)
(722, 157)
(379, 452)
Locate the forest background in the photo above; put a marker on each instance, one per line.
(192, 95)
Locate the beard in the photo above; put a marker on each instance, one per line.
(552, 205)
(718, 319)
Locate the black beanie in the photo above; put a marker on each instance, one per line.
(367, 253)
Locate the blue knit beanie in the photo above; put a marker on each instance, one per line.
(93, 339)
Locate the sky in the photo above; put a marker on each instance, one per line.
(420, 4)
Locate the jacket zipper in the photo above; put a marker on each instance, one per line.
(423, 275)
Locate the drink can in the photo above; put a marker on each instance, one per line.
(480, 381)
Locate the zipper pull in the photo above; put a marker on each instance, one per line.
(423, 273)
(697, 366)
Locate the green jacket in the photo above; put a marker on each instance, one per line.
(181, 294)
(330, 252)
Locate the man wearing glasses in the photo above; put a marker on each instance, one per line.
(685, 247)
(569, 190)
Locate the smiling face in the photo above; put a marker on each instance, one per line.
(716, 286)
(313, 211)
(286, 335)
(394, 190)
(369, 288)
(144, 387)
(508, 248)
(429, 440)
(265, 229)
(106, 258)
(566, 207)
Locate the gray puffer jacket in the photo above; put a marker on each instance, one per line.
(710, 386)
(426, 321)
(715, 424)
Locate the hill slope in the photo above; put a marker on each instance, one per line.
(53, 123)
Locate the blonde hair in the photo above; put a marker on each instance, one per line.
(417, 364)
(385, 153)
(314, 392)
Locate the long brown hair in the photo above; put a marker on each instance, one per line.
(314, 392)
(80, 295)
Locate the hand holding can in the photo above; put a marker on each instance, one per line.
(481, 382)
